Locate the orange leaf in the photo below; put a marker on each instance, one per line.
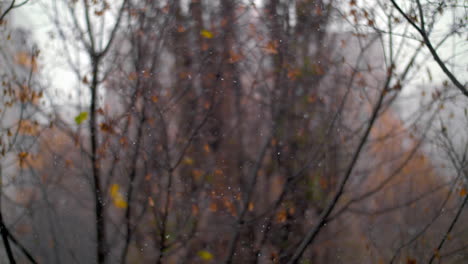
(234, 57)
(195, 209)
(197, 174)
(68, 164)
(105, 127)
(294, 73)
(281, 216)
(185, 75)
(180, 29)
(274, 141)
(323, 183)
(165, 9)
(318, 11)
(317, 69)
(311, 98)
(207, 148)
(150, 201)
(123, 141)
(27, 127)
(271, 47)
(26, 60)
(146, 74)
(205, 46)
(463, 192)
(132, 76)
(229, 206)
(213, 207)
(23, 155)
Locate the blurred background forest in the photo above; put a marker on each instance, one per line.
(233, 131)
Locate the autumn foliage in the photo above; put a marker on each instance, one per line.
(232, 132)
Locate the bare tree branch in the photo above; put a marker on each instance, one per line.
(312, 234)
(428, 43)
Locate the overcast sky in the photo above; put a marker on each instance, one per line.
(32, 17)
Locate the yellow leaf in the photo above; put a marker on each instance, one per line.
(81, 117)
(205, 255)
(22, 158)
(207, 34)
(117, 197)
(114, 190)
(120, 203)
(188, 161)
